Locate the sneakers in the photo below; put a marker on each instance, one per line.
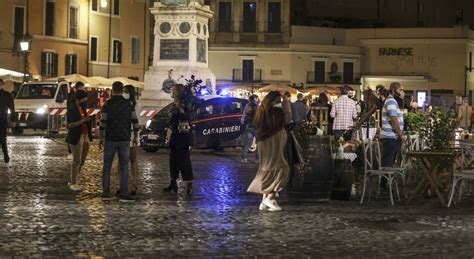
(243, 161)
(70, 157)
(74, 187)
(9, 164)
(271, 204)
(263, 206)
(126, 198)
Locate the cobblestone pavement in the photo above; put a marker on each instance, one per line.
(39, 216)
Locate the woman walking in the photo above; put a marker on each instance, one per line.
(273, 172)
(180, 143)
(79, 136)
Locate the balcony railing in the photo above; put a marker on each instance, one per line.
(332, 78)
(241, 75)
(230, 27)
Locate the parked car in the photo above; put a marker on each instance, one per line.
(215, 124)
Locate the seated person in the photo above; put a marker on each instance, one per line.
(46, 92)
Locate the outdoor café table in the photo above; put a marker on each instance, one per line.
(431, 167)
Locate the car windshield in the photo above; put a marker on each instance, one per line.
(37, 91)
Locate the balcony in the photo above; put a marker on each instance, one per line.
(333, 78)
(253, 76)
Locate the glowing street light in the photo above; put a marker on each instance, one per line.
(103, 3)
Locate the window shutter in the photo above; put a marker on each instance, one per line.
(119, 52)
(74, 64)
(43, 63)
(68, 57)
(55, 65)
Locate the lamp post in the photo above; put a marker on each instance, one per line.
(25, 45)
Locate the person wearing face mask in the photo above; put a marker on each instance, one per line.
(391, 134)
(79, 136)
(274, 171)
(130, 94)
(6, 103)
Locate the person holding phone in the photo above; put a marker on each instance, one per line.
(80, 135)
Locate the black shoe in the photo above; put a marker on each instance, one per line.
(117, 192)
(126, 198)
(189, 188)
(173, 187)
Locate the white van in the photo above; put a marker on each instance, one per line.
(34, 101)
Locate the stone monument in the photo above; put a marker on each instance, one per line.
(180, 49)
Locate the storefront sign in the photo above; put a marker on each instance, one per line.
(174, 49)
(395, 51)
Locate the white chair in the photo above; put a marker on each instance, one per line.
(466, 172)
(373, 167)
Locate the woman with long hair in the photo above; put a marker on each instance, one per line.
(273, 172)
(130, 94)
(180, 143)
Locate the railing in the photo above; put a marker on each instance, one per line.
(240, 75)
(332, 78)
(231, 27)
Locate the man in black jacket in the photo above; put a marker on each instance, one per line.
(6, 105)
(118, 117)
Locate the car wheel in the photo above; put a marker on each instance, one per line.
(150, 149)
(17, 131)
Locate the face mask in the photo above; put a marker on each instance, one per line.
(126, 96)
(278, 105)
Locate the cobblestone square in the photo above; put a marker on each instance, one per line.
(41, 217)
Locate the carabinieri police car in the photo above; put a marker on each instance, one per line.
(215, 124)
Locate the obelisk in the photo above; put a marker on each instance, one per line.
(180, 49)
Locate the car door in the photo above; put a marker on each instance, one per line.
(231, 122)
(207, 124)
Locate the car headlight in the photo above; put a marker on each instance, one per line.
(148, 123)
(42, 110)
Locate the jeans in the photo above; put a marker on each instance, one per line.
(389, 151)
(3, 140)
(123, 149)
(339, 133)
(79, 154)
(249, 135)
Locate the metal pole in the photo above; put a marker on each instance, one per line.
(110, 38)
(25, 59)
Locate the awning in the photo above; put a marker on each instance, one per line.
(279, 88)
(10, 75)
(100, 82)
(400, 78)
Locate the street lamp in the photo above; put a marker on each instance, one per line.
(103, 3)
(25, 49)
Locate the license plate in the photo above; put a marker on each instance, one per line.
(22, 124)
(153, 137)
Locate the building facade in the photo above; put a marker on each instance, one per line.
(382, 13)
(119, 40)
(76, 37)
(429, 62)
